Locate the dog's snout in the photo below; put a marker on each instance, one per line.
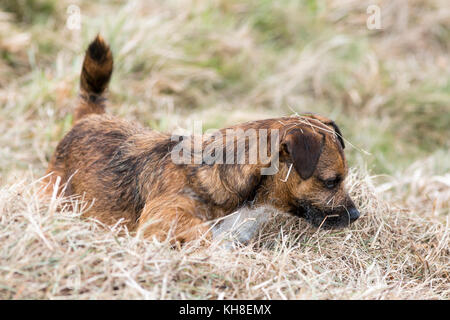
(354, 214)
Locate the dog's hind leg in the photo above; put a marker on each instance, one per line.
(55, 182)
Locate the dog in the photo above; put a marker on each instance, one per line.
(128, 174)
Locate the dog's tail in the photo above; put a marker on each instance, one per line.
(95, 75)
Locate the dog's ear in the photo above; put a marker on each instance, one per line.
(302, 147)
(330, 123)
(338, 133)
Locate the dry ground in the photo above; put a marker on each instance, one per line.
(224, 62)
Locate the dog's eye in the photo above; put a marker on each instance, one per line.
(332, 183)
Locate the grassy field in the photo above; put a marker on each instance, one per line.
(224, 62)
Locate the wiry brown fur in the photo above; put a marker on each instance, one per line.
(127, 172)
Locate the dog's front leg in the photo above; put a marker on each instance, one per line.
(173, 219)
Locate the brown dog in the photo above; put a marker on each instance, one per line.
(128, 172)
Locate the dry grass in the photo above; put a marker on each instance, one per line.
(226, 61)
(391, 253)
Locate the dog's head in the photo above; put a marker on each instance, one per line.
(314, 153)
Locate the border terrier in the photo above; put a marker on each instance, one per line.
(130, 173)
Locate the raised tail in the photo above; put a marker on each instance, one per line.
(95, 75)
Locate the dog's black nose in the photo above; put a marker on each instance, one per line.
(354, 214)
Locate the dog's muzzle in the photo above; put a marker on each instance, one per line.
(338, 217)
